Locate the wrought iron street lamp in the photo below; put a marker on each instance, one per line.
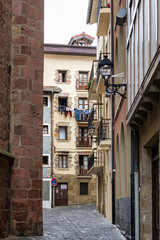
(105, 66)
(91, 131)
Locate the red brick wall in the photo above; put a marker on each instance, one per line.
(4, 197)
(5, 57)
(26, 116)
(5, 70)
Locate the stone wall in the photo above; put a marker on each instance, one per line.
(26, 116)
(123, 214)
(147, 140)
(74, 196)
(5, 71)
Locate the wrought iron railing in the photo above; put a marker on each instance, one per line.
(83, 141)
(104, 130)
(82, 171)
(95, 160)
(93, 71)
(96, 113)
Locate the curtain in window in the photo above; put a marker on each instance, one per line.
(85, 162)
(62, 133)
(64, 161)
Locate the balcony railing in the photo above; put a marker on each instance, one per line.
(93, 71)
(81, 85)
(95, 162)
(104, 130)
(82, 171)
(96, 113)
(82, 115)
(83, 142)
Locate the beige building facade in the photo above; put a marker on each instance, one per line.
(100, 162)
(67, 67)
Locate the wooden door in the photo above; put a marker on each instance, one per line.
(155, 193)
(83, 137)
(61, 194)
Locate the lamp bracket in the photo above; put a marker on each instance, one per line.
(114, 88)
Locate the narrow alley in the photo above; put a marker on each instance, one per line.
(76, 222)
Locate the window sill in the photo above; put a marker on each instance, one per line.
(63, 169)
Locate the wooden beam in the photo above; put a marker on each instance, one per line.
(142, 114)
(138, 120)
(148, 106)
(153, 96)
(134, 126)
(157, 83)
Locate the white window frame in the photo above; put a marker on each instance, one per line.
(49, 160)
(49, 103)
(47, 134)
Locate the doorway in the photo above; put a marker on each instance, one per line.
(61, 194)
(155, 192)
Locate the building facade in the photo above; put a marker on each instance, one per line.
(67, 67)
(134, 48)
(21, 96)
(100, 161)
(143, 113)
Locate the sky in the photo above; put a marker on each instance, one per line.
(64, 19)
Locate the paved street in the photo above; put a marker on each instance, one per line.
(76, 222)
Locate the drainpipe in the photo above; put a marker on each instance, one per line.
(132, 188)
(112, 106)
(52, 200)
(135, 185)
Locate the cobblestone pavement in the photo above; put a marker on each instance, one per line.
(74, 223)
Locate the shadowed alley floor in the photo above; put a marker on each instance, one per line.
(76, 222)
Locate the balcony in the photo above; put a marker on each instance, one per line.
(81, 85)
(95, 163)
(83, 141)
(82, 171)
(100, 81)
(104, 135)
(93, 82)
(81, 115)
(103, 17)
(96, 114)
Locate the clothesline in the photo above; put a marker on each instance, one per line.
(81, 114)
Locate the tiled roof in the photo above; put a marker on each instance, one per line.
(83, 34)
(79, 36)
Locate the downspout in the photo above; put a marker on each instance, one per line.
(132, 188)
(52, 201)
(112, 119)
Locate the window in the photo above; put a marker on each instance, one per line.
(82, 81)
(83, 165)
(45, 160)
(83, 161)
(62, 102)
(83, 188)
(63, 133)
(63, 161)
(45, 129)
(61, 76)
(83, 103)
(45, 101)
